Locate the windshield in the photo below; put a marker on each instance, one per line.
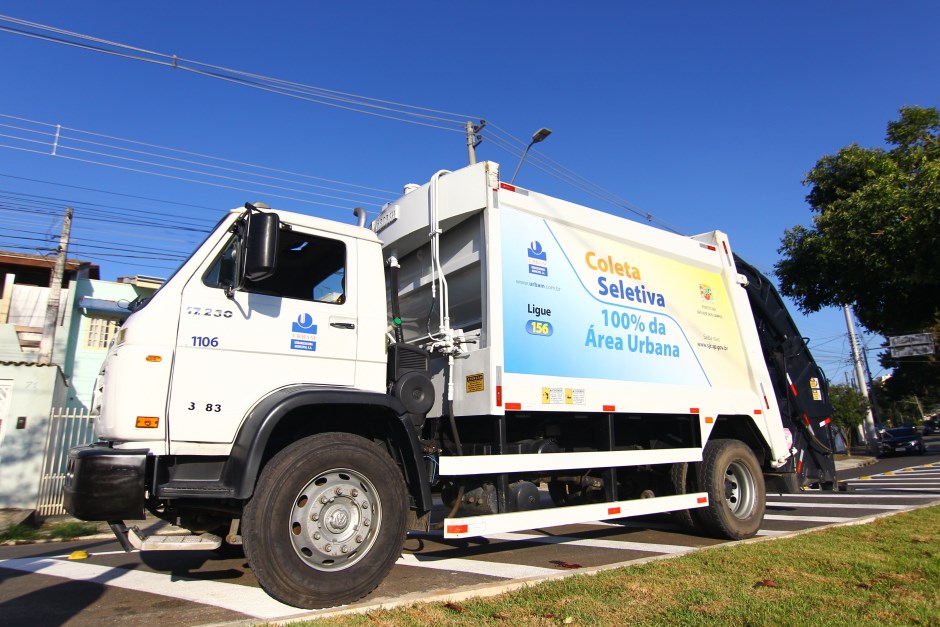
(901, 432)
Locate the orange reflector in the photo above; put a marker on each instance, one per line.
(694, 410)
(702, 499)
(499, 396)
(610, 408)
(147, 422)
(758, 412)
(458, 528)
(154, 359)
(613, 510)
(507, 186)
(709, 420)
(513, 405)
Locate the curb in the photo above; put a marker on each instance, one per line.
(155, 529)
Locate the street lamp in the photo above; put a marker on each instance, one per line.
(538, 136)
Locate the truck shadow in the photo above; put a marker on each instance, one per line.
(221, 565)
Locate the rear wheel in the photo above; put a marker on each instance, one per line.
(682, 476)
(326, 522)
(734, 482)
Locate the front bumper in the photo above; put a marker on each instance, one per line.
(104, 483)
(889, 448)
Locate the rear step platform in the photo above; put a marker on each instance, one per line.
(132, 538)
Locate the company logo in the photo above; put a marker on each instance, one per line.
(537, 259)
(304, 334)
(705, 291)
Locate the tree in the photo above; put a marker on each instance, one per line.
(849, 409)
(874, 237)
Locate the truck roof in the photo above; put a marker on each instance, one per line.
(312, 222)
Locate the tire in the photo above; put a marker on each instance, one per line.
(734, 482)
(327, 521)
(682, 476)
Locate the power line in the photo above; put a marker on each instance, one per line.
(435, 118)
(515, 146)
(58, 144)
(422, 116)
(102, 191)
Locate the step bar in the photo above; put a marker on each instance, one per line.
(471, 526)
(132, 538)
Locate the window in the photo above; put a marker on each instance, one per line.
(308, 268)
(100, 332)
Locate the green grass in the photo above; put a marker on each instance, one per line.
(883, 573)
(60, 531)
(19, 532)
(70, 530)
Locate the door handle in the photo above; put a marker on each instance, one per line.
(343, 325)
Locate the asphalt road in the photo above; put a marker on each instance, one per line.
(40, 586)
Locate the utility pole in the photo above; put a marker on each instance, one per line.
(872, 436)
(55, 291)
(474, 139)
(871, 393)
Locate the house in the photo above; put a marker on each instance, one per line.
(90, 312)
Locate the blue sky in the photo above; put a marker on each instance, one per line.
(706, 115)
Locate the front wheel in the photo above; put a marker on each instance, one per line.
(736, 493)
(326, 522)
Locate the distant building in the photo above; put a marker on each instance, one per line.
(90, 312)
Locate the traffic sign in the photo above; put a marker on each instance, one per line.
(912, 351)
(909, 340)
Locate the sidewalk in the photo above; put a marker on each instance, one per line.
(10, 517)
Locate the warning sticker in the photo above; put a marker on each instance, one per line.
(475, 383)
(563, 396)
(553, 396)
(814, 383)
(817, 395)
(574, 396)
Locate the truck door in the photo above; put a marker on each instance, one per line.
(297, 326)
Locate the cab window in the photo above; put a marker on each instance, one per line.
(308, 268)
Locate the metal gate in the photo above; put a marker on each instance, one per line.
(67, 428)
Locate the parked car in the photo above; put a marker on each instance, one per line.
(901, 440)
(931, 426)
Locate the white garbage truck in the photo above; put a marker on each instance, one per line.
(310, 388)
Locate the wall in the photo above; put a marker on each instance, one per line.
(35, 391)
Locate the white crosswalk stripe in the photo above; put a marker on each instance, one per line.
(620, 545)
(845, 495)
(885, 492)
(251, 601)
(823, 519)
(477, 567)
(784, 504)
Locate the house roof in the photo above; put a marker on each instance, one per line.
(36, 269)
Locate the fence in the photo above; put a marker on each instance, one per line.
(67, 428)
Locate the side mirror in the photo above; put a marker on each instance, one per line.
(260, 246)
(253, 255)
